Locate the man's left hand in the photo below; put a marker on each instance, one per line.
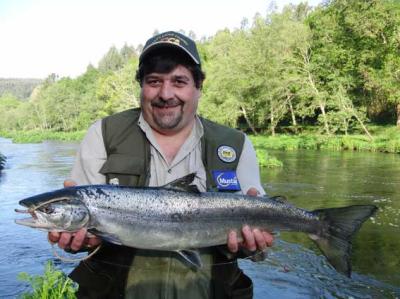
(253, 238)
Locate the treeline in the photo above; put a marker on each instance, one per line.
(20, 88)
(334, 69)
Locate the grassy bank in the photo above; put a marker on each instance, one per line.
(40, 136)
(385, 140)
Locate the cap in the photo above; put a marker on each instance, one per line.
(171, 39)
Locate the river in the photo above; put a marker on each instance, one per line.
(294, 267)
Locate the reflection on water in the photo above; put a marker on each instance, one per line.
(294, 268)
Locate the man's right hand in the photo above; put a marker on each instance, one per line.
(77, 240)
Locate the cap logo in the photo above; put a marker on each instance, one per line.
(171, 40)
(226, 153)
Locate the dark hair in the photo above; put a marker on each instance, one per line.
(164, 61)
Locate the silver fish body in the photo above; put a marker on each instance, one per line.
(168, 218)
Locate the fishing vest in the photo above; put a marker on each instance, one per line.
(128, 161)
(122, 134)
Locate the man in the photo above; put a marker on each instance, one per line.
(154, 145)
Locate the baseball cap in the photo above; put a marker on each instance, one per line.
(171, 39)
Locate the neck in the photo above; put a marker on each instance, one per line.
(171, 142)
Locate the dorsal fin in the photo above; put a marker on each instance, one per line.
(280, 198)
(183, 184)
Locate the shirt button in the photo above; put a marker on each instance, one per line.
(169, 170)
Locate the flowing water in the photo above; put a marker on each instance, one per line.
(294, 267)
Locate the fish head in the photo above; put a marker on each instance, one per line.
(60, 210)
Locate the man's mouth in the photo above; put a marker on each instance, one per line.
(166, 104)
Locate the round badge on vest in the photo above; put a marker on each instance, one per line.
(226, 153)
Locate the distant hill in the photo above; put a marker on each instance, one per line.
(21, 88)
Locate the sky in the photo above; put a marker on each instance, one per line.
(40, 37)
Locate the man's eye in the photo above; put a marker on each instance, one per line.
(180, 83)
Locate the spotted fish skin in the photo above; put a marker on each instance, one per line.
(179, 217)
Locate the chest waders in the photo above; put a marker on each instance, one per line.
(108, 275)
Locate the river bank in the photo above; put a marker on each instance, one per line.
(385, 139)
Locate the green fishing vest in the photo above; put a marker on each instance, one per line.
(128, 150)
(128, 160)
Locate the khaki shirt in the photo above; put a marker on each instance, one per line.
(162, 274)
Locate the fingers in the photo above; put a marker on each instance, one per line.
(261, 242)
(79, 239)
(249, 241)
(233, 244)
(253, 192)
(65, 240)
(253, 239)
(74, 241)
(53, 237)
(269, 238)
(69, 183)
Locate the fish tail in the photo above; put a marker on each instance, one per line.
(340, 225)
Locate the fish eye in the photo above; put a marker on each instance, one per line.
(46, 209)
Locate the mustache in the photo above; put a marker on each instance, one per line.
(166, 103)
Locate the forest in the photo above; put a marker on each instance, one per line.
(333, 70)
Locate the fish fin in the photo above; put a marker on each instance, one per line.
(107, 237)
(341, 224)
(280, 198)
(183, 184)
(191, 257)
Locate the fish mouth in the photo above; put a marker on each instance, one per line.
(32, 221)
(28, 211)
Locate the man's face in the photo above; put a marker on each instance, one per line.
(169, 101)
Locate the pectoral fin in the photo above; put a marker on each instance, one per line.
(192, 258)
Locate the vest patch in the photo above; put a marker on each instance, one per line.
(226, 153)
(114, 181)
(226, 180)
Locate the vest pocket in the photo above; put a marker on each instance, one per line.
(123, 169)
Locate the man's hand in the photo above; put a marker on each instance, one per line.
(75, 241)
(253, 238)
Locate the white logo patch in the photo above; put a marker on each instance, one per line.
(114, 181)
(226, 153)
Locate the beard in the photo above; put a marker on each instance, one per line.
(167, 114)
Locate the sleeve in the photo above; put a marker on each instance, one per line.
(90, 158)
(248, 172)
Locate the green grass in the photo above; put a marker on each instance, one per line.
(53, 284)
(40, 136)
(387, 140)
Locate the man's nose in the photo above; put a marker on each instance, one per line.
(166, 91)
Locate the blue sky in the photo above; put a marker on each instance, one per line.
(39, 37)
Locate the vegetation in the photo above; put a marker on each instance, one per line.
(319, 75)
(20, 88)
(53, 284)
(39, 136)
(388, 142)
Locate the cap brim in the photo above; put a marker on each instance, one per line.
(161, 44)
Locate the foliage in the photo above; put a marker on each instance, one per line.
(53, 284)
(266, 160)
(387, 141)
(39, 136)
(19, 88)
(334, 68)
